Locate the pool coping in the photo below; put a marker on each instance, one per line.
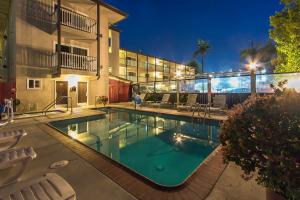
(196, 117)
(204, 177)
(220, 118)
(216, 149)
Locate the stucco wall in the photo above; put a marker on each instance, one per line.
(114, 55)
(35, 43)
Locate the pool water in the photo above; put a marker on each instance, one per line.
(165, 149)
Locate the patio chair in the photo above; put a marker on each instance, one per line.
(11, 157)
(218, 104)
(190, 103)
(49, 186)
(164, 101)
(9, 139)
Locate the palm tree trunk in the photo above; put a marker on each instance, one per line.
(202, 64)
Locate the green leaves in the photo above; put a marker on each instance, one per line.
(285, 31)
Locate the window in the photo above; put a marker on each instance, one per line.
(34, 84)
(131, 74)
(165, 77)
(110, 45)
(72, 50)
(109, 41)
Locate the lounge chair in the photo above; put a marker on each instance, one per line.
(9, 139)
(190, 103)
(11, 157)
(218, 104)
(144, 101)
(164, 101)
(50, 186)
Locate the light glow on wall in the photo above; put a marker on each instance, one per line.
(178, 74)
(173, 86)
(73, 80)
(158, 86)
(158, 74)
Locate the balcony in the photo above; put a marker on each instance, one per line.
(78, 21)
(78, 62)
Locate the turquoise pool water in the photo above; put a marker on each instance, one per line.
(165, 149)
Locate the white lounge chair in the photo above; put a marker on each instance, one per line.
(218, 104)
(9, 139)
(164, 101)
(48, 187)
(11, 157)
(190, 103)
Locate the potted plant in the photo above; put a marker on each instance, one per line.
(103, 100)
(262, 136)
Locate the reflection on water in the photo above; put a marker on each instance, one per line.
(154, 146)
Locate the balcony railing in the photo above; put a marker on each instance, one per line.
(78, 62)
(78, 21)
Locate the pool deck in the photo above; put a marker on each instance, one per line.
(95, 177)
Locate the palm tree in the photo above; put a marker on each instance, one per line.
(263, 54)
(202, 48)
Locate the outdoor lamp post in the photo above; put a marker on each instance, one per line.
(252, 67)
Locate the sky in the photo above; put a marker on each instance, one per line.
(170, 28)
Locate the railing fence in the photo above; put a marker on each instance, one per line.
(78, 21)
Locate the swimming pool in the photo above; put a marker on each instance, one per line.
(164, 149)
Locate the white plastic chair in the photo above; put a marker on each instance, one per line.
(11, 157)
(164, 101)
(48, 187)
(218, 104)
(190, 103)
(9, 139)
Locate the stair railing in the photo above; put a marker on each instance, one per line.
(59, 100)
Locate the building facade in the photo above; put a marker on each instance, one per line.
(57, 49)
(66, 50)
(143, 68)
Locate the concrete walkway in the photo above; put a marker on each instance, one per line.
(231, 186)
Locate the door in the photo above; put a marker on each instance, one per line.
(82, 92)
(62, 91)
(113, 91)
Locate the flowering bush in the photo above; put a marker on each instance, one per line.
(263, 135)
(103, 100)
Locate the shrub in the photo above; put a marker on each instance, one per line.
(103, 100)
(263, 135)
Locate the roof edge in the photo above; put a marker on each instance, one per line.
(110, 7)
